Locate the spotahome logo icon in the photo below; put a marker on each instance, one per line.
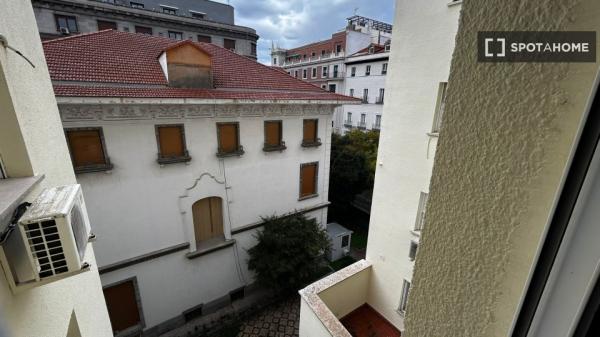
(536, 46)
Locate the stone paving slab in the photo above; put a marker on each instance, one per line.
(279, 320)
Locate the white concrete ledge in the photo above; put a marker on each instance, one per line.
(310, 295)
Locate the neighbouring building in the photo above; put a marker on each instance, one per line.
(181, 148)
(510, 243)
(377, 288)
(326, 63)
(201, 20)
(40, 294)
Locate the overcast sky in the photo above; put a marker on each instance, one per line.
(293, 23)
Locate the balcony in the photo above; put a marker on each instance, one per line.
(379, 100)
(365, 100)
(337, 306)
(362, 125)
(348, 123)
(308, 60)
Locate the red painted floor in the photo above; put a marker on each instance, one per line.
(366, 322)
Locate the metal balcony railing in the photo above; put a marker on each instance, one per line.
(379, 100)
(365, 99)
(348, 123)
(362, 125)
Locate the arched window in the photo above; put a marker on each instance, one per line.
(208, 218)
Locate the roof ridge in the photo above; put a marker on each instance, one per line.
(70, 37)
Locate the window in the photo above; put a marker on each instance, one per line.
(204, 38)
(313, 54)
(404, 297)
(353, 71)
(207, 215)
(412, 252)
(122, 300)
(335, 71)
(296, 73)
(87, 148)
(421, 211)
(365, 96)
(175, 35)
(368, 71)
(345, 241)
(136, 5)
(229, 44)
(377, 121)
(197, 15)
(381, 96)
(102, 25)
(308, 180)
(324, 86)
(273, 136)
(324, 74)
(348, 118)
(332, 88)
(228, 135)
(439, 109)
(143, 30)
(352, 92)
(310, 127)
(322, 53)
(304, 73)
(384, 69)
(252, 48)
(169, 10)
(275, 62)
(363, 119)
(314, 72)
(338, 48)
(171, 144)
(66, 24)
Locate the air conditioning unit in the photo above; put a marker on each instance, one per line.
(64, 30)
(55, 231)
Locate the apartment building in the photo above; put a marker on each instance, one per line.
(376, 289)
(202, 20)
(365, 79)
(324, 63)
(180, 157)
(49, 289)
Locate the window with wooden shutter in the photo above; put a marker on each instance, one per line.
(273, 136)
(310, 133)
(102, 25)
(228, 139)
(122, 302)
(88, 152)
(171, 144)
(308, 180)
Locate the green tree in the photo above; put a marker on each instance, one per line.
(289, 252)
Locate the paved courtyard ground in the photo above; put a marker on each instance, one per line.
(278, 320)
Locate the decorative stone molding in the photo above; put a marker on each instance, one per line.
(115, 112)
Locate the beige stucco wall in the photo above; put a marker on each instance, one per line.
(506, 136)
(347, 295)
(310, 324)
(28, 107)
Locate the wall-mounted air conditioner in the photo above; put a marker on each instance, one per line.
(55, 230)
(50, 240)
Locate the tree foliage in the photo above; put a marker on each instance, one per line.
(289, 252)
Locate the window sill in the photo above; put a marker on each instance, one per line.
(452, 3)
(308, 196)
(237, 153)
(94, 168)
(312, 144)
(209, 247)
(174, 160)
(433, 134)
(274, 148)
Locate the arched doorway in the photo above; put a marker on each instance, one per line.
(208, 218)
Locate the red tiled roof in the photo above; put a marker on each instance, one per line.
(126, 58)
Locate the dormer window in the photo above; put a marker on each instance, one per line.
(371, 50)
(169, 9)
(197, 15)
(187, 65)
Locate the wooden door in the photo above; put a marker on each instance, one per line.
(208, 218)
(122, 305)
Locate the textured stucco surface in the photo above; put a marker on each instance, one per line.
(506, 136)
(28, 104)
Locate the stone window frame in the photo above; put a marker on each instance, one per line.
(240, 149)
(316, 192)
(107, 166)
(138, 298)
(163, 160)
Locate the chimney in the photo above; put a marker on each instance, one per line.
(187, 65)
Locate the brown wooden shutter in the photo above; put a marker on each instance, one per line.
(86, 147)
(122, 306)
(273, 133)
(308, 179)
(310, 131)
(228, 134)
(171, 141)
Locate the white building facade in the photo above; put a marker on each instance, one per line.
(183, 173)
(34, 157)
(365, 79)
(418, 72)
